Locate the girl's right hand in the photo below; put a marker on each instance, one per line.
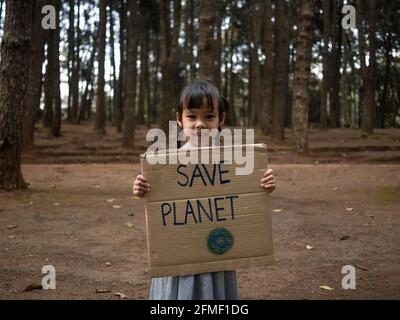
(140, 186)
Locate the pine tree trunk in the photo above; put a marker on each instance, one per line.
(114, 70)
(76, 69)
(169, 44)
(336, 62)
(207, 56)
(323, 113)
(368, 72)
(56, 120)
(143, 68)
(255, 95)
(281, 71)
(266, 115)
(34, 89)
(100, 122)
(48, 83)
(302, 75)
(130, 98)
(84, 111)
(14, 66)
(119, 95)
(71, 57)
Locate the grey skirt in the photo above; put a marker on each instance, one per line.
(204, 286)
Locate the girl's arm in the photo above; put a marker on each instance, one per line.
(140, 186)
(268, 182)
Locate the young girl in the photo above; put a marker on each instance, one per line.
(200, 107)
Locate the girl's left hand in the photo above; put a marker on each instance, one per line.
(268, 182)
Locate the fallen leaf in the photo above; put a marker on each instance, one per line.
(110, 200)
(11, 237)
(361, 267)
(116, 206)
(33, 286)
(102, 291)
(349, 209)
(12, 226)
(277, 210)
(308, 247)
(120, 295)
(130, 225)
(344, 237)
(326, 287)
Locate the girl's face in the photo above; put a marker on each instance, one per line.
(197, 119)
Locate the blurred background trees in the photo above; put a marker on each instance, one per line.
(120, 64)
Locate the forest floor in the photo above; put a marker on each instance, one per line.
(78, 215)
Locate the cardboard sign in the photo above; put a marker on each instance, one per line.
(204, 217)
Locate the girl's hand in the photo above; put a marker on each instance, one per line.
(267, 182)
(140, 186)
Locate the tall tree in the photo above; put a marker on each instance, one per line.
(169, 44)
(255, 81)
(14, 66)
(281, 70)
(334, 100)
(209, 10)
(323, 113)
(34, 89)
(128, 133)
(266, 115)
(302, 75)
(48, 83)
(76, 66)
(56, 119)
(368, 73)
(189, 30)
(100, 122)
(71, 57)
(119, 85)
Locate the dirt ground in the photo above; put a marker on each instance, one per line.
(343, 200)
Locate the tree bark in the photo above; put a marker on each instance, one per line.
(281, 69)
(130, 98)
(120, 92)
(48, 83)
(76, 69)
(207, 43)
(323, 113)
(302, 75)
(169, 44)
(266, 115)
(35, 77)
(56, 119)
(14, 66)
(100, 122)
(71, 57)
(336, 63)
(255, 90)
(368, 72)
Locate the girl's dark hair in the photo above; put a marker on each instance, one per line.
(194, 93)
